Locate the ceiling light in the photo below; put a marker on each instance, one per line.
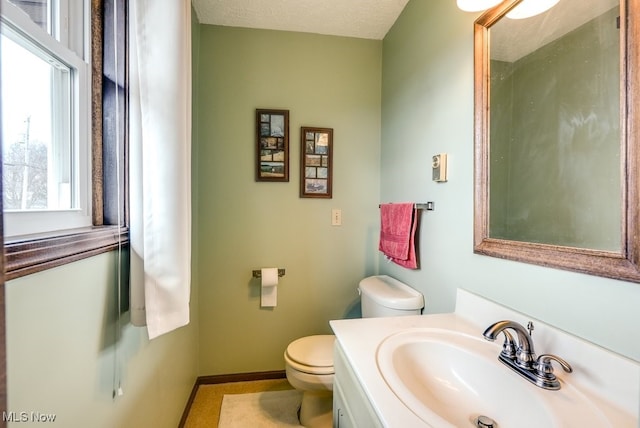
(476, 5)
(528, 8)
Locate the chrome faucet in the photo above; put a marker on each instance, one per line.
(524, 356)
(521, 357)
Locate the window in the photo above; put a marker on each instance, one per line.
(62, 172)
(46, 132)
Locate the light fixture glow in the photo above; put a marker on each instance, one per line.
(528, 8)
(476, 5)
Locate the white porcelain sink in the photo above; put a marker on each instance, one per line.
(449, 379)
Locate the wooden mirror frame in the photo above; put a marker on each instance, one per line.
(623, 265)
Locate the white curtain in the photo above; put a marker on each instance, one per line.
(160, 163)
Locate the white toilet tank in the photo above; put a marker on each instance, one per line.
(383, 296)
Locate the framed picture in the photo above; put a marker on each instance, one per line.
(272, 149)
(316, 162)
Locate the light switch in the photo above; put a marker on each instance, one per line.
(336, 217)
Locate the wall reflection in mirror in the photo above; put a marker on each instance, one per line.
(554, 127)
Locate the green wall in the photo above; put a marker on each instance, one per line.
(427, 108)
(324, 81)
(67, 351)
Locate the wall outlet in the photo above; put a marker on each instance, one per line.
(439, 167)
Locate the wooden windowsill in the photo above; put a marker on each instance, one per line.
(35, 254)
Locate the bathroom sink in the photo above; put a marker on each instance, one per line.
(450, 379)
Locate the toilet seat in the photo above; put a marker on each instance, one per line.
(311, 354)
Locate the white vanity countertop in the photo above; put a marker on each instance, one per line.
(360, 338)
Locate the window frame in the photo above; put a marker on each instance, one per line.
(109, 196)
(68, 48)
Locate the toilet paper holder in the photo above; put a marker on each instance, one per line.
(258, 273)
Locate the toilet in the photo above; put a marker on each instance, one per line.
(309, 360)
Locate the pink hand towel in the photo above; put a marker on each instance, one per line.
(398, 225)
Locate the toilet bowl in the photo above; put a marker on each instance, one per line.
(309, 368)
(309, 360)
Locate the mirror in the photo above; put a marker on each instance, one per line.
(556, 163)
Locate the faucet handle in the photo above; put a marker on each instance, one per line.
(545, 369)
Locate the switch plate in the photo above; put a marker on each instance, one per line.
(439, 167)
(336, 217)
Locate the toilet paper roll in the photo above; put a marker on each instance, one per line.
(269, 287)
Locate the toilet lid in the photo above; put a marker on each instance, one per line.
(312, 354)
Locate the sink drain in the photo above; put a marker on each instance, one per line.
(485, 422)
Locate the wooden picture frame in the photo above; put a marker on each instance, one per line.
(316, 162)
(272, 145)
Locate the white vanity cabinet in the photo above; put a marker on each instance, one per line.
(351, 408)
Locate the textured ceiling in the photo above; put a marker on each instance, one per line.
(367, 19)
